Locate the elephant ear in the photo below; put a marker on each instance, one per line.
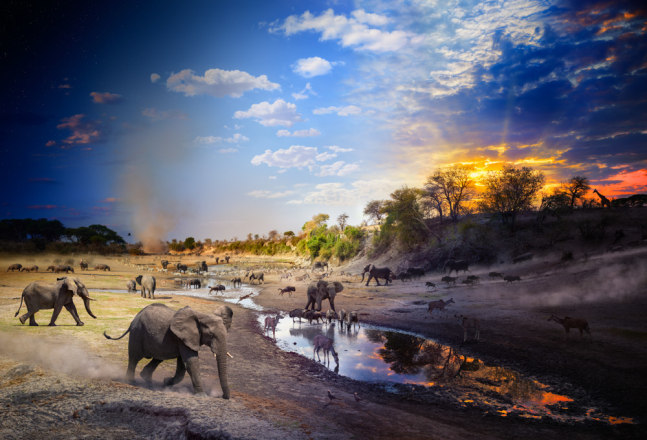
(338, 286)
(69, 284)
(184, 325)
(226, 314)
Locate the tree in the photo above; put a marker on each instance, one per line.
(576, 187)
(405, 216)
(273, 235)
(455, 186)
(317, 222)
(511, 191)
(433, 198)
(189, 243)
(373, 210)
(288, 234)
(342, 220)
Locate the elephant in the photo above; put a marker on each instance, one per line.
(33, 268)
(39, 296)
(202, 266)
(164, 264)
(181, 267)
(102, 267)
(378, 272)
(323, 290)
(194, 283)
(217, 260)
(148, 285)
(131, 286)
(13, 267)
(320, 265)
(456, 265)
(159, 333)
(227, 257)
(260, 276)
(237, 281)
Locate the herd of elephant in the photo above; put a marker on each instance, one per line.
(157, 332)
(56, 268)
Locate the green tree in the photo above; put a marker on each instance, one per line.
(189, 243)
(374, 211)
(405, 216)
(511, 191)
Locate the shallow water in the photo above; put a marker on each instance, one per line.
(379, 355)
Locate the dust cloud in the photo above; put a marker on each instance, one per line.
(58, 355)
(152, 182)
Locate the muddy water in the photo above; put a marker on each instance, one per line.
(402, 362)
(379, 355)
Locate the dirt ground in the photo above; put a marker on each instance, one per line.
(68, 381)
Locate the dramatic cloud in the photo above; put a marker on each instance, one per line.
(38, 207)
(334, 194)
(161, 115)
(277, 113)
(360, 31)
(217, 82)
(299, 133)
(313, 66)
(341, 111)
(83, 131)
(50, 143)
(105, 98)
(264, 194)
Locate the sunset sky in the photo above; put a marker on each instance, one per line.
(215, 119)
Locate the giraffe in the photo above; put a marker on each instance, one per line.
(603, 200)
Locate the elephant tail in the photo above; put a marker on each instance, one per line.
(20, 306)
(114, 339)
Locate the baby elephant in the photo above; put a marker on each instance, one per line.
(160, 333)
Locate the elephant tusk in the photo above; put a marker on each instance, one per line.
(229, 354)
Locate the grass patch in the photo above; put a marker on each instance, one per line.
(629, 334)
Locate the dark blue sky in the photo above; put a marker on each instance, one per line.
(216, 119)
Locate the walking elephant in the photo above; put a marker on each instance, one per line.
(148, 285)
(456, 265)
(160, 333)
(321, 290)
(39, 296)
(378, 272)
(131, 286)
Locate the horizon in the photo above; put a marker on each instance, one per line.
(220, 120)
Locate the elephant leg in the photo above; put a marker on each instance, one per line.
(179, 374)
(132, 364)
(310, 301)
(147, 371)
(57, 310)
(192, 364)
(72, 309)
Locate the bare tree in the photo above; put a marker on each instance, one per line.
(455, 185)
(342, 220)
(576, 187)
(374, 210)
(433, 198)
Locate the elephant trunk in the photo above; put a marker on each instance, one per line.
(86, 303)
(363, 273)
(220, 351)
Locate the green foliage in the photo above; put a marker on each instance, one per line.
(189, 243)
(405, 217)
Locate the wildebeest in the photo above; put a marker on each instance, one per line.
(456, 265)
(102, 267)
(219, 288)
(16, 266)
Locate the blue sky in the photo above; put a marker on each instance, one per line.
(216, 119)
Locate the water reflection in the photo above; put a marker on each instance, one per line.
(376, 355)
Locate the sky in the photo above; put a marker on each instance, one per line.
(216, 119)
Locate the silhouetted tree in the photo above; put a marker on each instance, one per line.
(576, 188)
(511, 191)
(373, 210)
(456, 186)
(342, 221)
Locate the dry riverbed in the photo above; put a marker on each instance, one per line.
(67, 381)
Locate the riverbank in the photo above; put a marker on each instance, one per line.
(283, 394)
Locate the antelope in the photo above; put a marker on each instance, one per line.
(270, 323)
(321, 341)
(440, 305)
(468, 323)
(568, 323)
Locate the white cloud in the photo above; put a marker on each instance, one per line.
(105, 97)
(313, 66)
(155, 77)
(277, 113)
(217, 82)
(298, 133)
(338, 194)
(296, 156)
(338, 149)
(322, 157)
(227, 150)
(264, 194)
(305, 93)
(209, 140)
(341, 111)
(355, 31)
(339, 168)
